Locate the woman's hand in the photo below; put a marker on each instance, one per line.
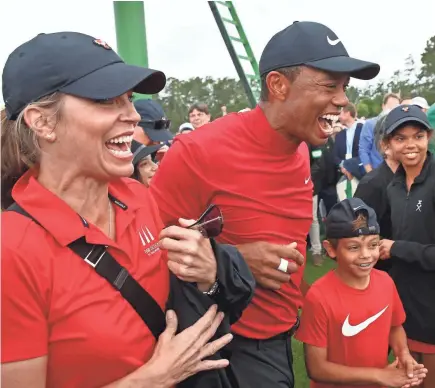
(190, 256)
(177, 357)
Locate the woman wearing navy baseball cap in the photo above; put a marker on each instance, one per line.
(76, 225)
(411, 196)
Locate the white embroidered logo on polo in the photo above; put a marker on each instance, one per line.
(349, 330)
(419, 205)
(147, 238)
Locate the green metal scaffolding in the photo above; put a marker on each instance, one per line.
(131, 33)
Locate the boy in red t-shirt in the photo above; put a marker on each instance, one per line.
(352, 314)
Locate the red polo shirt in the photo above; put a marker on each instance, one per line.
(354, 325)
(56, 305)
(263, 188)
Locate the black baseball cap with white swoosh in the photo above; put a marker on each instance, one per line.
(314, 45)
(339, 222)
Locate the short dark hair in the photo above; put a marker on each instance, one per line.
(351, 109)
(388, 96)
(290, 72)
(360, 222)
(199, 106)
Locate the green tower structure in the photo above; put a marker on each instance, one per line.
(131, 38)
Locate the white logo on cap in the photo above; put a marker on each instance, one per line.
(332, 42)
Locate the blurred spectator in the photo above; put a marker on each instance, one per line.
(431, 118)
(406, 100)
(368, 152)
(316, 177)
(153, 127)
(185, 128)
(199, 115)
(372, 188)
(144, 167)
(421, 102)
(347, 141)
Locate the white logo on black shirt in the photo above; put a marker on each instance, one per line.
(419, 205)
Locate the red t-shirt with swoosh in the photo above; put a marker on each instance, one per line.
(263, 187)
(56, 305)
(354, 325)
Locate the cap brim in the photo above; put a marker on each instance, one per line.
(421, 106)
(158, 134)
(116, 79)
(144, 152)
(356, 68)
(397, 124)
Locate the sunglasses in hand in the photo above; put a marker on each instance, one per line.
(210, 223)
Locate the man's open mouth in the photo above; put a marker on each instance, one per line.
(120, 146)
(327, 123)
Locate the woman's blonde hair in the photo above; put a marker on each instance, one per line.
(20, 149)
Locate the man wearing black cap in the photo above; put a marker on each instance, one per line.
(153, 127)
(255, 166)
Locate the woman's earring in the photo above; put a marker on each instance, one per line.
(50, 137)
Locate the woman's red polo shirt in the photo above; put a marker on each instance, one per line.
(55, 304)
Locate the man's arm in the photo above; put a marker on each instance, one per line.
(365, 144)
(372, 196)
(180, 184)
(337, 157)
(413, 252)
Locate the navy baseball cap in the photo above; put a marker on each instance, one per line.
(71, 63)
(404, 114)
(339, 222)
(314, 45)
(141, 151)
(153, 120)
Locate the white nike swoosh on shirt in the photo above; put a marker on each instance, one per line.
(349, 331)
(307, 180)
(333, 42)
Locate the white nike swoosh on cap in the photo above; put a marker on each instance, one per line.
(349, 330)
(356, 208)
(332, 42)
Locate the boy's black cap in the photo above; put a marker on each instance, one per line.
(315, 45)
(151, 112)
(72, 63)
(339, 222)
(405, 114)
(141, 151)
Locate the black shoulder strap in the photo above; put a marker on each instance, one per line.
(18, 209)
(106, 266)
